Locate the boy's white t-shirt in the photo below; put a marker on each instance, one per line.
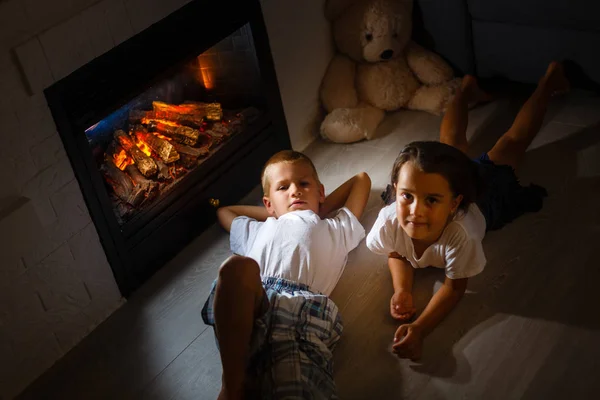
(458, 250)
(299, 246)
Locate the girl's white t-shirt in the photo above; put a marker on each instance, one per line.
(458, 250)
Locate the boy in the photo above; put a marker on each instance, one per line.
(274, 323)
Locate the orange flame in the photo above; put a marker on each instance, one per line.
(180, 109)
(143, 147)
(158, 135)
(122, 160)
(160, 121)
(205, 74)
(207, 78)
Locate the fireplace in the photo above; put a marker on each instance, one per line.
(169, 125)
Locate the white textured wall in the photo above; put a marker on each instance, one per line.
(55, 282)
(302, 47)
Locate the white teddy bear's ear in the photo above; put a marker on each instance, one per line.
(333, 8)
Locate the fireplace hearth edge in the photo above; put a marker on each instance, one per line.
(108, 82)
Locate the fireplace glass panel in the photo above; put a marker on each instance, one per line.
(146, 148)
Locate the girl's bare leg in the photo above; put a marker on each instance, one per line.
(511, 147)
(238, 301)
(453, 130)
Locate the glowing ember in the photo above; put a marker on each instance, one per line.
(212, 111)
(160, 121)
(158, 135)
(181, 108)
(143, 147)
(122, 160)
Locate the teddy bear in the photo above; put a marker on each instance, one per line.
(378, 68)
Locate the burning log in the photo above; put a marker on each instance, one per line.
(236, 126)
(119, 156)
(182, 134)
(147, 186)
(127, 182)
(205, 140)
(191, 120)
(191, 151)
(163, 170)
(177, 170)
(212, 111)
(163, 148)
(121, 184)
(221, 127)
(188, 161)
(219, 131)
(144, 163)
(216, 136)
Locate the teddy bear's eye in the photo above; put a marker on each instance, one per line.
(369, 37)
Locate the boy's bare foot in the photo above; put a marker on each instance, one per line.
(474, 93)
(556, 79)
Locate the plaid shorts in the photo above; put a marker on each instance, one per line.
(291, 346)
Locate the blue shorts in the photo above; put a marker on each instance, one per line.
(292, 342)
(504, 199)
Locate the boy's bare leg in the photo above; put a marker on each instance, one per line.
(453, 130)
(511, 147)
(238, 301)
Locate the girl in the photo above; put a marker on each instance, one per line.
(445, 202)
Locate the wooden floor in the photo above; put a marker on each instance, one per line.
(528, 327)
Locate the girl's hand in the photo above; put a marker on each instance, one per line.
(408, 342)
(401, 306)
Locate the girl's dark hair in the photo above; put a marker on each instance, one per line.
(431, 157)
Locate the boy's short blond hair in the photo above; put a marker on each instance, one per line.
(284, 156)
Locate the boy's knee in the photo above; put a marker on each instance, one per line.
(236, 268)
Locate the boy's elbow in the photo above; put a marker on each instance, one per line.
(224, 217)
(221, 212)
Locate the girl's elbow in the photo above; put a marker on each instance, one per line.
(459, 291)
(457, 287)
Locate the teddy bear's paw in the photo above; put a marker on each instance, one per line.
(431, 99)
(348, 125)
(339, 126)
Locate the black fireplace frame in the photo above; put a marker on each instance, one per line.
(110, 81)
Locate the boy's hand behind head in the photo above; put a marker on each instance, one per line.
(293, 186)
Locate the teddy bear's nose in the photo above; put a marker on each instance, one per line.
(387, 54)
